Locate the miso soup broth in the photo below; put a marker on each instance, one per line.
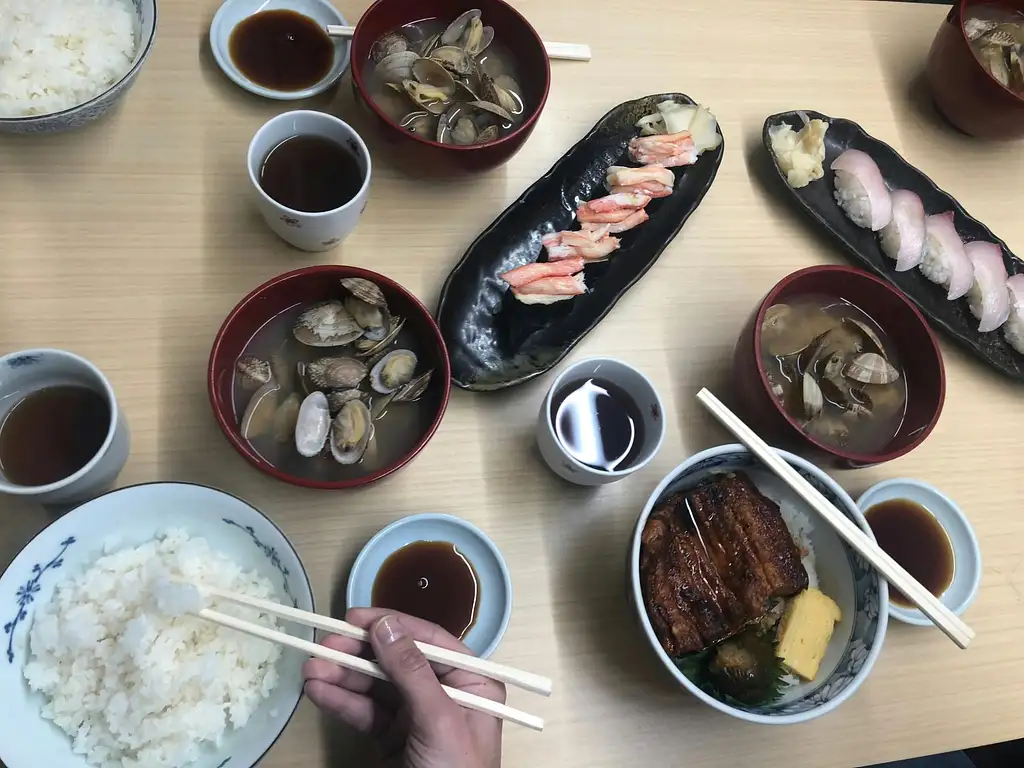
(835, 371)
(396, 427)
(456, 87)
(997, 39)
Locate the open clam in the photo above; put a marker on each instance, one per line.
(394, 370)
(414, 390)
(312, 425)
(327, 324)
(336, 372)
(388, 45)
(258, 418)
(428, 97)
(494, 109)
(351, 431)
(468, 32)
(367, 290)
(253, 372)
(374, 320)
(338, 398)
(421, 123)
(456, 60)
(397, 67)
(368, 348)
(457, 127)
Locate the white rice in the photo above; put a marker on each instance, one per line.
(56, 54)
(135, 687)
(853, 198)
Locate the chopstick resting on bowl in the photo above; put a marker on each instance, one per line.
(500, 672)
(564, 51)
(895, 574)
(467, 700)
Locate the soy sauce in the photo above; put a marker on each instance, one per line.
(432, 580)
(282, 50)
(914, 539)
(52, 433)
(311, 174)
(598, 424)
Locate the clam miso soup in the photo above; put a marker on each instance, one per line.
(835, 371)
(335, 390)
(997, 40)
(447, 80)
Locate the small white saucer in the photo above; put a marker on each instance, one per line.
(234, 11)
(495, 584)
(966, 552)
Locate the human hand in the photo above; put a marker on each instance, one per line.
(414, 721)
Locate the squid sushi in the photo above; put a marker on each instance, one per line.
(860, 190)
(1013, 330)
(903, 238)
(945, 262)
(989, 298)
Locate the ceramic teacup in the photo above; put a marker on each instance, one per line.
(626, 378)
(306, 231)
(28, 371)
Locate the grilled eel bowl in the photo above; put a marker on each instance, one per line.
(751, 602)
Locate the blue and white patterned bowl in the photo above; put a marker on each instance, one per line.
(128, 517)
(75, 117)
(843, 574)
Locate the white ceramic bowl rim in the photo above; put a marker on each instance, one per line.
(108, 392)
(913, 615)
(444, 519)
(140, 57)
(305, 582)
(637, 596)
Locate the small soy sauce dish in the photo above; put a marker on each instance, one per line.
(601, 421)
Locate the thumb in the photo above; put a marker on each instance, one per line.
(410, 672)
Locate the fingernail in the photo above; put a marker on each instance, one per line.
(389, 630)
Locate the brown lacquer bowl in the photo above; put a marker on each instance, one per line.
(964, 91)
(412, 424)
(419, 154)
(906, 327)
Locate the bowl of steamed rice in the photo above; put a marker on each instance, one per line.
(64, 63)
(102, 667)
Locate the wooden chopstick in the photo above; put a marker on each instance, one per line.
(895, 574)
(564, 51)
(505, 674)
(467, 700)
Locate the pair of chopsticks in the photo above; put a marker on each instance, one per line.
(895, 574)
(505, 674)
(565, 51)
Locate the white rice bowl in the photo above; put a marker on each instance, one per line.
(88, 639)
(57, 54)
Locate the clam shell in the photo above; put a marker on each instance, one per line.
(454, 59)
(421, 123)
(326, 325)
(813, 400)
(464, 132)
(871, 368)
(454, 31)
(493, 108)
(393, 371)
(414, 389)
(286, 418)
(488, 134)
(430, 44)
(254, 372)
(312, 425)
(338, 398)
(380, 405)
(336, 372)
(397, 67)
(364, 289)
(258, 418)
(374, 320)
(351, 431)
(368, 348)
(388, 45)
(872, 342)
(429, 97)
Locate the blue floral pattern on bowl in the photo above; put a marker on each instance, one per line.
(23, 361)
(26, 593)
(272, 556)
(864, 636)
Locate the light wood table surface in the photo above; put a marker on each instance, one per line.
(129, 242)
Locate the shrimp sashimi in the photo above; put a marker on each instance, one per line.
(529, 273)
(548, 290)
(611, 209)
(669, 150)
(592, 244)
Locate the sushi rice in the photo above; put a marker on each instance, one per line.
(1013, 328)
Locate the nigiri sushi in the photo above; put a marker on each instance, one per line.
(945, 262)
(903, 237)
(537, 270)
(1013, 329)
(548, 290)
(989, 298)
(860, 190)
(592, 244)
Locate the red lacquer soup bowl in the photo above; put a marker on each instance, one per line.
(420, 154)
(261, 326)
(906, 328)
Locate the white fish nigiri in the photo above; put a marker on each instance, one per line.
(989, 298)
(860, 190)
(1013, 330)
(903, 237)
(945, 262)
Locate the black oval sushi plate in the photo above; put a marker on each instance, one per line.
(495, 341)
(817, 200)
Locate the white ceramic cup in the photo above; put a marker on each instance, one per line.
(22, 373)
(634, 384)
(312, 232)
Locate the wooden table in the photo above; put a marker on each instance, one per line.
(129, 242)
